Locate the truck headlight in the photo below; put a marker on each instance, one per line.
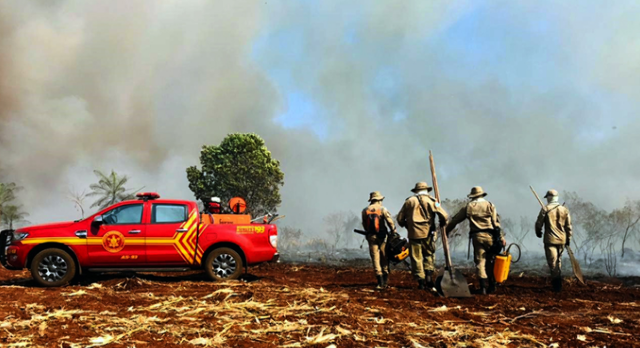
(274, 241)
(17, 236)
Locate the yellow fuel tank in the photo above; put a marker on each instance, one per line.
(501, 267)
(403, 255)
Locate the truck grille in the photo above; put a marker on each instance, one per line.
(6, 237)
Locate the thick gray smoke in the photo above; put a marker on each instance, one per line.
(506, 94)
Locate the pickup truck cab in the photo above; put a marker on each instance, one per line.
(144, 235)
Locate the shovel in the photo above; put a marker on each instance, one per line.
(452, 282)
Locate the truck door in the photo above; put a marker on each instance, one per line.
(171, 235)
(119, 240)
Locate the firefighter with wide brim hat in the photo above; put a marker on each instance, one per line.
(417, 215)
(477, 192)
(378, 224)
(485, 234)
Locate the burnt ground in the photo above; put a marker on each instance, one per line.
(312, 305)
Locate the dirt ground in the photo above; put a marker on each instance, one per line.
(287, 305)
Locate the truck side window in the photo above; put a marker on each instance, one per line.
(168, 213)
(126, 214)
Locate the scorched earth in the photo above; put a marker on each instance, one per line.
(286, 305)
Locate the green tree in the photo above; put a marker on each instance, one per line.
(110, 189)
(13, 214)
(7, 194)
(240, 166)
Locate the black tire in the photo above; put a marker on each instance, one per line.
(53, 267)
(223, 264)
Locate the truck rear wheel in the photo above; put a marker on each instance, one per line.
(223, 264)
(53, 267)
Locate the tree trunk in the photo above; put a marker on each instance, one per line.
(626, 234)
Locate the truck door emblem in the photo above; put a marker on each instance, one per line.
(113, 241)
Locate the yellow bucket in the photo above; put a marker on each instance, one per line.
(502, 265)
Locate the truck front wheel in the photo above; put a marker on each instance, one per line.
(223, 264)
(53, 267)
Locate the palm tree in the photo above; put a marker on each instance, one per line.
(110, 189)
(78, 200)
(13, 214)
(7, 192)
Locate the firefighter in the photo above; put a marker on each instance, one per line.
(418, 217)
(378, 223)
(210, 208)
(485, 233)
(557, 234)
(214, 205)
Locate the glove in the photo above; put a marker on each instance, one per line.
(539, 234)
(568, 243)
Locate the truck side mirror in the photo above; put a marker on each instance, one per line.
(97, 220)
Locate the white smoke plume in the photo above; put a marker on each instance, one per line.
(506, 94)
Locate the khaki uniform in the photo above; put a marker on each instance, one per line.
(483, 219)
(377, 243)
(421, 230)
(557, 229)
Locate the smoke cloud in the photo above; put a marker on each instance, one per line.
(505, 94)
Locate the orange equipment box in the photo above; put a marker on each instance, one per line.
(226, 219)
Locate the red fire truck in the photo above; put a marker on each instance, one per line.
(144, 235)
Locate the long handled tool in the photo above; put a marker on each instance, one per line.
(452, 282)
(574, 263)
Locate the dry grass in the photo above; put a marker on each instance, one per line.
(294, 306)
(291, 320)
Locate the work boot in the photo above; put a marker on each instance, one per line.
(385, 280)
(484, 283)
(379, 287)
(556, 284)
(421, 284)
(430, 284)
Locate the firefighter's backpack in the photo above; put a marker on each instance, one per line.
(374, 221)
